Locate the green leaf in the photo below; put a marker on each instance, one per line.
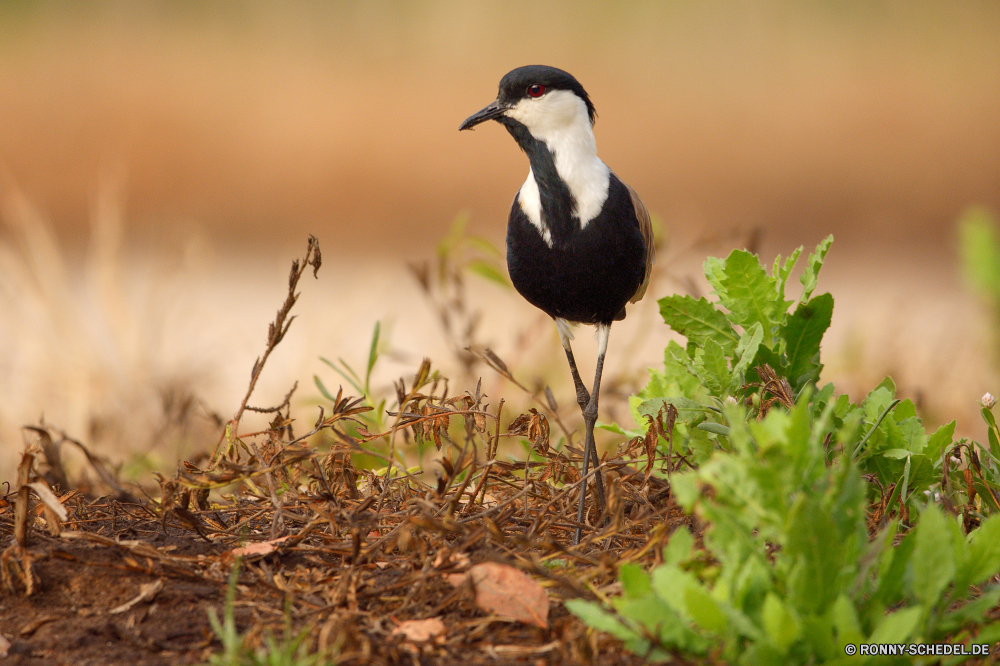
(781, 624)
(679, 547)
(698, 320)
(897, 627)
(816, 549)
(597, 617)
(991, 432)
(751, 295)
(635, 581)
(669, 582)
(489, 271)
(810, 276)
(982, 558)
(373, 354)
(886, 384)
(939, 441)
(484, 245)
(715, 272)
(971, 613)
(874, 428)
(653, 406)
(685, 489)
(704, 610)
(712, 368)
(845, 620)
(782, 272)
(714, 428)
(746, 351)
(893, 565)
(933, 563)
(322, 388)
(802, 332)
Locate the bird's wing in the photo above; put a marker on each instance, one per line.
(646, 227)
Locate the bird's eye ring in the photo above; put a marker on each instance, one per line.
(536, 90)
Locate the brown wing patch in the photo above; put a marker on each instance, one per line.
(646, 227)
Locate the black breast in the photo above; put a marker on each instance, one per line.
(591, 274)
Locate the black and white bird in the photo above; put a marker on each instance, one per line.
(579, 240)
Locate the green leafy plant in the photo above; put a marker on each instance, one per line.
(789, 574)
(732, 340)
(363, 387)
(794, 566)
(236, 650)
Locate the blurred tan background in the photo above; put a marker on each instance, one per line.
(161, 164)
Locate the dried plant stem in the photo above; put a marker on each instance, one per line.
(275, 334)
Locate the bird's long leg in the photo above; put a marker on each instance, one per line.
(589, 419)
(582, 395)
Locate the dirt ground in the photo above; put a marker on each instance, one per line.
(86, 604)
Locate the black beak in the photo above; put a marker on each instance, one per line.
(491, 112)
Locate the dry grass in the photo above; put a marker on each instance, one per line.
(354, 547)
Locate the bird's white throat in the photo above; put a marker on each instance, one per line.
(560, 120)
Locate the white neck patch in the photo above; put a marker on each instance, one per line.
(559, 119)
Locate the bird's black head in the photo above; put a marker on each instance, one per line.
(529, 84)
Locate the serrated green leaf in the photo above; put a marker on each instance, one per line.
(746, 351)
(712, 368)
(933, 563)
(802, 333)
(698, 320)
(750, 293)
(715, 272)
(939, 441)
(810, 275)
(782, 272)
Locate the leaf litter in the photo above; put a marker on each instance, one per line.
(367, 567)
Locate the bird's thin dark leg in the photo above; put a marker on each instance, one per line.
(582, 395)
(589, 445)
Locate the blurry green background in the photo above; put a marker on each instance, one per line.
(162, 162)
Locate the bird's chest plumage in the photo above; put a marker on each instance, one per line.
(587, 274)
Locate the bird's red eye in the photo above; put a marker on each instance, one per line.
(536, 90)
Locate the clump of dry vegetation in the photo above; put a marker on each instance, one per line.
(356, 565)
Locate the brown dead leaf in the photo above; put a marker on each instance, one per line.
(505, 591)
(260, 548)
(420, 631)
